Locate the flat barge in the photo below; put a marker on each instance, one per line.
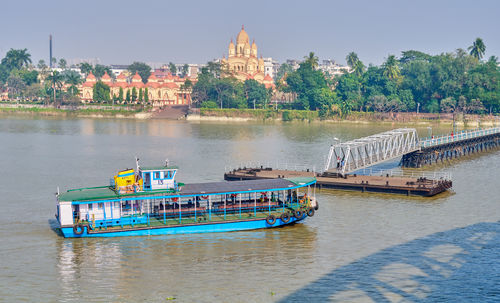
(420, 186)
(148, 201)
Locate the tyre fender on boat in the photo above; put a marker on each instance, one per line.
(310, 211)
(298, 214)
(271, 219)
(314, 203)
(285, 217)
(78, 229)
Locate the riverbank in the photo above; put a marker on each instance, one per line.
(80, 111)
(244, 115)
(251, 115)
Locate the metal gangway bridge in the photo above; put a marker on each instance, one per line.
(347, 157)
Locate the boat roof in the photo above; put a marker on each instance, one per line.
(107, 193)
(143, 168)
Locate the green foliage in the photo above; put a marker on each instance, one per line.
(284, 69)
(134, 94)
(120, 95)
(428, 80)
(146, 95)
(16, 59)
(256, 94)
(101, 92)
(477, 49)
(86, 68)
(127, 98)
(140, 95)
(208, 104)
(172, 68)
(311, 88)
(142, 69)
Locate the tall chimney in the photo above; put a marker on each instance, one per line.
(50, 51)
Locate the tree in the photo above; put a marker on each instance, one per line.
(146, 95)
(185, 70)
(134, 94)
(140, 95)
(359, 68)
(256, 94)
(413, 55)
(120, 95)
(54, 61)
(99, 70)
(128, 96)
(35, 91)
(101, 92)
(352, 59)
(477, 49)
(172, 68)
(73, 79)
(86, 68)
(283, 70)
(16, 86)
(16, 59)
(142, 69)
(391, 68)
(312, 60)
(57, 81)
(62, 63)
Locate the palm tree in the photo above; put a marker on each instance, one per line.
(72, 78)
(477, 49)
(312, 60)
(17, 58)
(359, 68)
(352, 59)
(57, 80)
(391, 68)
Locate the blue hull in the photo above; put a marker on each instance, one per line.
(186, 229)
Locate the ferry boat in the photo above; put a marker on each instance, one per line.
(149, 201)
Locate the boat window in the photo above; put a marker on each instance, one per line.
(90, 206)
(117, 204)
(100, 205)
(157, 175)
(167, 174)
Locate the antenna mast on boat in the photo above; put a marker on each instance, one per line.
(137, 163)
(166, 162)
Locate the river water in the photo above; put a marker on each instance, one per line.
(358, 247)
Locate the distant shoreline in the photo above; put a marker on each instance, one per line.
(250, 115)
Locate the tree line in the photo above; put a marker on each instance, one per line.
(449, 82)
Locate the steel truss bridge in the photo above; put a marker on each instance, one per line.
(346, 157)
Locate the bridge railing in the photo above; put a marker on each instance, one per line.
(462, 135)
(430, 175)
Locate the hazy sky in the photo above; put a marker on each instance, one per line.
(120, 32)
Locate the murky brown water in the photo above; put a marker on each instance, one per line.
(37, 155)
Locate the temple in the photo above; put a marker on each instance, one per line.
(161, 90)
(242, 60)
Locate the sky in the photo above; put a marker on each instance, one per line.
(121, 32)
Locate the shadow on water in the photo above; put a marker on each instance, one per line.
(54, 226)
(459, 265)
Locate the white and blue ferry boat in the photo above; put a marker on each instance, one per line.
(149, 201)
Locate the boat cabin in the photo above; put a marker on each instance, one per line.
(160, 177)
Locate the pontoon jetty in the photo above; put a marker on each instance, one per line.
(148, 201)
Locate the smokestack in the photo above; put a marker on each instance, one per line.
(50, 51)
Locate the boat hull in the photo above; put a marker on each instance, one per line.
(180, 229)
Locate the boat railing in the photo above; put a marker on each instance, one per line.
(428, 175)
(276, 165)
